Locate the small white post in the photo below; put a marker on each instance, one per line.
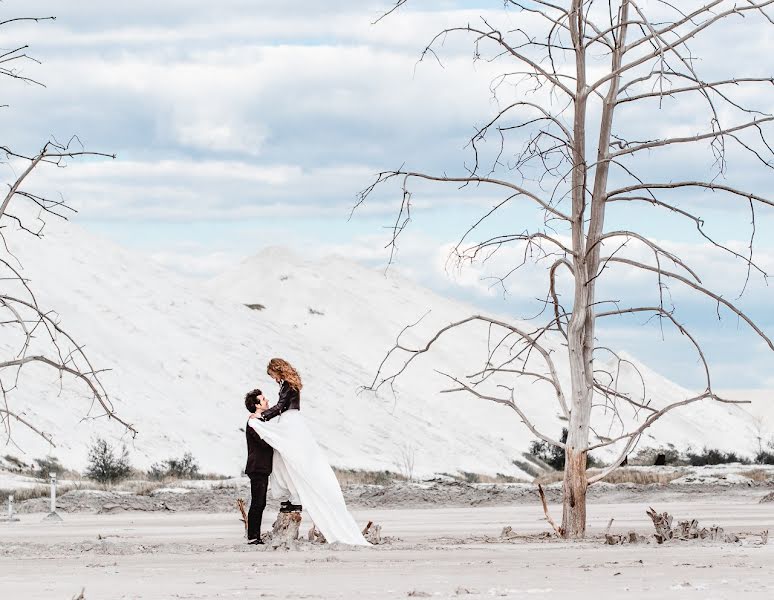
(52, 480)
(11, 516)
(53, 515)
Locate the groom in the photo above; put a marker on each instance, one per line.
(258, 469)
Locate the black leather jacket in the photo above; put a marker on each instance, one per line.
(289, 398)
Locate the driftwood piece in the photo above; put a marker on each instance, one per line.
(241, 506)
(372, 533)
(687, 530)
(508, 533)
(284, 531)
(631, 537)
(316, 536)
(663, 525)
(609, 525)
(558, 530)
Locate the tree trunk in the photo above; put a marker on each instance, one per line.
(284, 532)
(575, 486)
(577, 443)
(574, 509)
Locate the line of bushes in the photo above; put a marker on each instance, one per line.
(547, 455)
(108, 464)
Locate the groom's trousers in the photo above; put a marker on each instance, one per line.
(259, 483)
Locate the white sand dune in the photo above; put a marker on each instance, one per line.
(182, 354)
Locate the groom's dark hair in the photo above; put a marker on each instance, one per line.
(251, 400)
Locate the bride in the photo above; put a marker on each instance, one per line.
(300, 471)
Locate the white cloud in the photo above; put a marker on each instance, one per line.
(250, 109)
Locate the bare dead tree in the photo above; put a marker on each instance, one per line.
(407, 460)
(32, 331)
(564, 142)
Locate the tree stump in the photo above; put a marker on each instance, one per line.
(284, 532)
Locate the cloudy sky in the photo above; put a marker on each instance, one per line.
(241, 124)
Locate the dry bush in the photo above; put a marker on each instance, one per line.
(358, 477)
(757, 475)
(621, 475)
(141, 488)
(500, 478)
(168, 479)
(468, 477)
(39, 491)
(642, 476)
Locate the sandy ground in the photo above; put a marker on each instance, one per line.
(440, 553)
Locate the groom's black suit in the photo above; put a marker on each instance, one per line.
(258, 469)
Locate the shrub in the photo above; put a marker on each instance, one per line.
(713, 456)
(45, 466)
(548, 453)
(529, 468)
(105, 466)
(554, 455)
(471, 477)
(764, 457)
(179, 468)
(16, 464)
(647, 456)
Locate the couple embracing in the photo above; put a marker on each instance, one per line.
(283, 455)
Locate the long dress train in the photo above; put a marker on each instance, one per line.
(304, 473)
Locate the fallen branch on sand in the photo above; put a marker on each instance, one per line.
(632, 537)
(551, 522)
(241, 507)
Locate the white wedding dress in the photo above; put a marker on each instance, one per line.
(301, 472)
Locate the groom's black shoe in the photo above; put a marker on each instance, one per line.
(289, 507)
(255, 542)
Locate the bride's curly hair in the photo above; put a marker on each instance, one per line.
(286, 372)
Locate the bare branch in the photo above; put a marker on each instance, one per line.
(510, 403)
(652, 245)
(10, 415)
(398, 4)
(717, 298)
(691, 139)
(682, 184)
(714, 85)
(530, 339)
(386, 175)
